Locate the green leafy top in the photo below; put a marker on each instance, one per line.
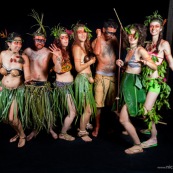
(153, 17)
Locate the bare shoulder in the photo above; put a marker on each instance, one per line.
(164, 43)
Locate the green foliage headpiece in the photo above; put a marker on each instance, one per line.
(86, 29)
(41, 30)
(56, 31)
(128, 30)
(154, 17)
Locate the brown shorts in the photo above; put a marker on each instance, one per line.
(104, 90)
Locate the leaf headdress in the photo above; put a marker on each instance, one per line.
(128, 28)
(56, 31)
(156, 16)
(41, 30)
(86, 29)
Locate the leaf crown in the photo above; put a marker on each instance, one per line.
(41, 30)
(86, 29)
(128, 30)
(155, 16)
(56, 31)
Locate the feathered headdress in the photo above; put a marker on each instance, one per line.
(41, 30)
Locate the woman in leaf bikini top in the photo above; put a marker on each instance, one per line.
(154, 81)
(13, 64)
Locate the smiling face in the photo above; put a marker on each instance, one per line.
(81, 34)
(64, 39)
(39, 42)
(155, 28)
(109, 33)
(132, 37)
(16, 44)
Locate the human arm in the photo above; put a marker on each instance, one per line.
(26, 68)
(119, 63)
(96, 44)
(57, 57)
(78, 53)
(146, 58)
(168, 54)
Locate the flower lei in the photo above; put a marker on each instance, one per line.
(152, 115)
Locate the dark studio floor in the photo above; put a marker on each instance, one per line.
(104, 154)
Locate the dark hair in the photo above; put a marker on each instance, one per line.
(11, 36)
(141, 31)
(110, 23)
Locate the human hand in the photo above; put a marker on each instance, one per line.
(98, 32)
(55, 50)
(119, 62)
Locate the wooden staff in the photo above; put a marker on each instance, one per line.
(119, 57)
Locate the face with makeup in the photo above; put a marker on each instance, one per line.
(16, 44)
(64, 39)
(39, 41)
(81, 34)
(155, 27)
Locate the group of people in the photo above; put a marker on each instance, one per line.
(29, 100)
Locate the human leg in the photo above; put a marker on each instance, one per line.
(68, 121)
(83, 121)
(125, 121)
(34, 133)
(149, 103)
(97, 124)
(17, 126)
(101, 87)
(52, 132)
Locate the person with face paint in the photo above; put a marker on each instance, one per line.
(155, 81)
(63, 93)
(38, 91)
(131, 89)
(86, 106)
(105, 47)
(14, 67)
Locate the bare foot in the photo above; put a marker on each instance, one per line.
(66, 137)
(86, 138)
(14, 138)
(22, 141)
(54, 135)
(84, 135)
(134, 150)
(149, 143)
(95, 132)
(31, 135)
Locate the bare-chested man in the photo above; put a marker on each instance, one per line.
(39, 58)
(38, 104)
(105, 47)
